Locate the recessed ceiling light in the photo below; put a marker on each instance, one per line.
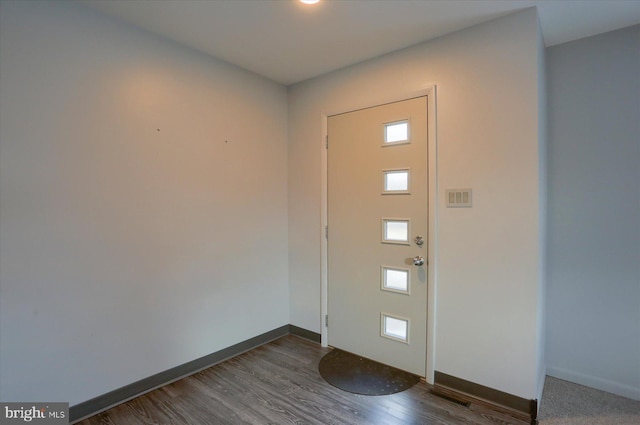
(309, 1)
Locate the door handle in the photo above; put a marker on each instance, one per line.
(418, 260)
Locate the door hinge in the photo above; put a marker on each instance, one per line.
(326, 232)
(326, 320)
(326, 142)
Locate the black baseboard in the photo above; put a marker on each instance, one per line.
(469, 392)
(304, 333)
(101, 403)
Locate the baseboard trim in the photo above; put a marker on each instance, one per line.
(106, 401)
(304, 333)
(469, 392)
(609, 386)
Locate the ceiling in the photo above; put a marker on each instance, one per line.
(289, 42)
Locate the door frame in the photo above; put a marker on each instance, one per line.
(432, 216)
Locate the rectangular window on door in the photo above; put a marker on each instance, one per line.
(395, 231)
(396, 133)
(395, 181)
(395, 280)
(394, 327)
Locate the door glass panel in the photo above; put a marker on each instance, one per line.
(396, 181)
(396, 132)
(395, 231)
(395, 328)
(396, 280)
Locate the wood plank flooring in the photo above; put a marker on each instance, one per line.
(278, 383)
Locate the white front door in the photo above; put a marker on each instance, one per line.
(377, 216)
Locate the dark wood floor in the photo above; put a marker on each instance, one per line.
(279, 383)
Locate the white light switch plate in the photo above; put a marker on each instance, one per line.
(459, 198)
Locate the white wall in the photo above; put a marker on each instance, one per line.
(542, 211)
(488, 283)
(143, 204)
(593, 335)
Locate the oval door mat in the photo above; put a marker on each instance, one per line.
(358, 375)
